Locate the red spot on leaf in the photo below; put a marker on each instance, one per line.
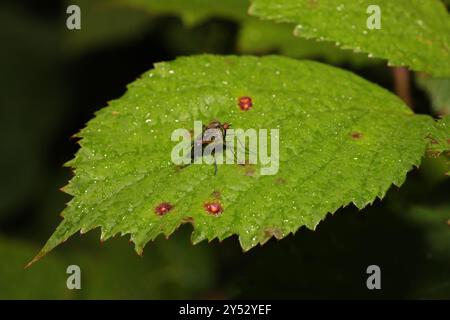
(245, 103)
(214, 208)
(163, 208)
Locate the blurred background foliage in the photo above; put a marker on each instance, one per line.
(53, 80)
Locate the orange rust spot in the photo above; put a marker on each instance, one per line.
(356, 135)
(115, 113)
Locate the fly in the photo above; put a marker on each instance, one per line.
(213, 133)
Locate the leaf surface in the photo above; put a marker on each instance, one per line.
(343, 140)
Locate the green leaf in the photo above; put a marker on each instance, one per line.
(413, 33)
(257, 36)
(438, 89)
(343, 140)
(194, 11)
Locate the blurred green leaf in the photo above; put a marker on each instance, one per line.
(438, 89)
(173, 269)
(46, 281)
(434, 279)
(413, 33)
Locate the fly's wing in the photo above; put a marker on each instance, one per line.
(197, 146)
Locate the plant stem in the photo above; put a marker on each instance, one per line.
(402, 85)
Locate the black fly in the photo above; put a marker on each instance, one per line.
(213, 133)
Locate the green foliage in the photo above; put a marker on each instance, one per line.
(17, 283)
(171, 270)
(343, 140)
(438, 89)
(413, 33)
(434, 281)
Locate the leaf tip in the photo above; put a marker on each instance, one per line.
(38, 257)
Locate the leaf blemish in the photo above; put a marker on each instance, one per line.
(213, 208)
(216, 194)
(163, 208)
(245, 103)
(356, 135)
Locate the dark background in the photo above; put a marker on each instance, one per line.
(52, 82)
